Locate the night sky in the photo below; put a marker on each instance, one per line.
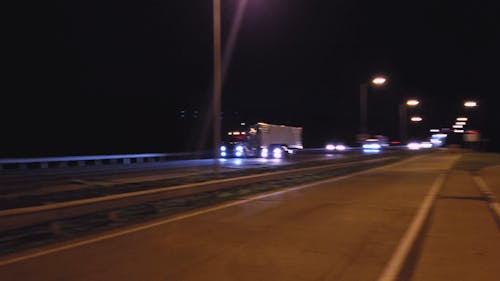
(99, 77)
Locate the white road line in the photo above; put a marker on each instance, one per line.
(393, 268)
(492, 200)
(190, 214)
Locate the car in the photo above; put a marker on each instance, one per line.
(372, 145)
(339, 147)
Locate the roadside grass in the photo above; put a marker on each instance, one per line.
(477, 161)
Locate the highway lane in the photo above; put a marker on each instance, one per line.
(78, 177)
(342, 230)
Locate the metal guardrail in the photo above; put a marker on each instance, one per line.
(22, 217)
(65, 161)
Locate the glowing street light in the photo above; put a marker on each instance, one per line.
(379, 81)
(460, 123)
(458, 126)
(462, 119)
(470, 104)
(363, 90)
(416, 119)
(403, 117)
(412, 102)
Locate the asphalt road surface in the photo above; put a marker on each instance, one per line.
(346, 229)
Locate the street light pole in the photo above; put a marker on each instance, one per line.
(363, 95)
(363, 90)
(217, 81)
(402, 123)
(403, 116)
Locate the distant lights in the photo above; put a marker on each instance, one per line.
(462, 119)
(413, 146)
(460, 123)
(435, 130)
(470, 104)
(439, 136)
(379, 80)
(458, 131)
(457, 126)
(426, 144)
(412, 102)
(416, 119)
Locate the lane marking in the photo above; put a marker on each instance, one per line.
(393, 268)
(245, 200)
(492, 200)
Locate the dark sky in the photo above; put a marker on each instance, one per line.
(113, 76)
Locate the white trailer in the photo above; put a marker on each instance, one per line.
(268, 140)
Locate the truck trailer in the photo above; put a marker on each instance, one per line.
(264, 140)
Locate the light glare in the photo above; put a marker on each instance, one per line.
(470, 104)
(413, 146)
(340, 147)
(416, 119)
(412, 102)
(379, 80)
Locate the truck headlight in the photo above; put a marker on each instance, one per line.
(223, 148)
(277, 153)
(264, 153)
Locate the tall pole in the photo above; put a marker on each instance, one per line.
(402, 123)
(217, 82)
(363, 89)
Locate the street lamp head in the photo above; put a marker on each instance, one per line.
(416, 119)
(412, 102)
(470, 104)
(378, 81)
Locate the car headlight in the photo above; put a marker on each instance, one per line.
(413, 146)
(372, 146)
(330, 147)
(340, 147)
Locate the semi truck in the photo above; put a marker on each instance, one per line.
(263, 140)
